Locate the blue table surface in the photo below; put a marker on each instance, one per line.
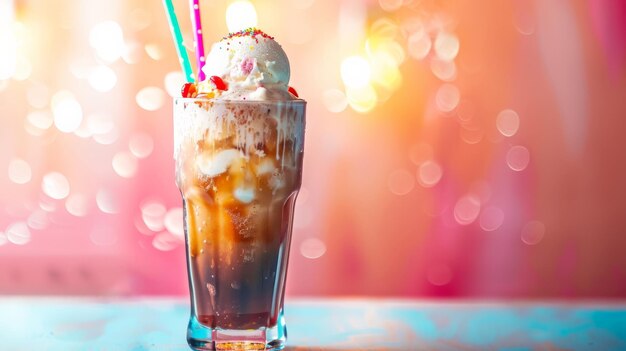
(320, 325)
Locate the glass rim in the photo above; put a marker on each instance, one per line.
(244, 102)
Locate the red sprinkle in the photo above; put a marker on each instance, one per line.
(219, 83)
(293, 91)
(188, 90)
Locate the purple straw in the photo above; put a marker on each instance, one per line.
(198, 41)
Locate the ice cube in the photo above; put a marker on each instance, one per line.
(245, 195)
(266, 166)
(218, 164)
(277, 181)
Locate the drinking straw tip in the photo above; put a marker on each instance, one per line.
(178, 40)
(198, 40)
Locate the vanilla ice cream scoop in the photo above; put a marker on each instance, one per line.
(253, 66)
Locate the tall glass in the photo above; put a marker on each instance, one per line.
(239, 169)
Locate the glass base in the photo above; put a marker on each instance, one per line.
(202, 338)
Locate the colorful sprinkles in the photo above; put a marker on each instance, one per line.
(250, 32)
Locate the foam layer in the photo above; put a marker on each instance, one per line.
(248, 127)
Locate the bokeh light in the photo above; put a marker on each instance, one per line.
(382, 30)
(150, 98)
(429, 173)
(419, 45)
(507, 122)
(173, 82)
(165, 242)
(46, 204)
(154, 51)
(19, 171)
(99, 124)
(102, 79)
(133, 53)
(444, 70)
(446, 46)
(18, 233)
(355, 72)
(491, 218)
(312, 248)
(124, 164)
(384, 71)
(173, 222)
(107, 201)
(448, 97)
(467, 209)
(107, 137)
(107, 39)
(362, 99)
(389, 48)
(240, 15)
(533, 232)
(38, 219)
(77, 205)
(55, 185)
(141, 145)
(153, 215)
(518, 158)
(471, 135)
(40, 119)
(68, 113)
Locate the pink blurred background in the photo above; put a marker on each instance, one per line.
(454, 148)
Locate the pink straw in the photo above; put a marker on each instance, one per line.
(199, 43)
